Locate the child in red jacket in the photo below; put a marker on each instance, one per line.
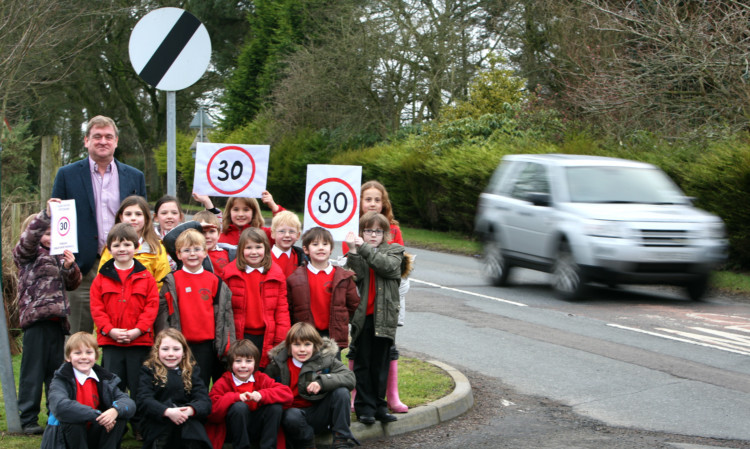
(124, 304)
(261, 312)
(246, 404)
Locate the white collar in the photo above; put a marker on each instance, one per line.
(249, 269)
(238, 382)
(278, 252)
(81, 378)
(297, 363)
(132, 264)
(314, 270)
(200, 270)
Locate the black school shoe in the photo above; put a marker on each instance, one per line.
(33, 429)
(366, 419)
(342, 442)
(384, 417)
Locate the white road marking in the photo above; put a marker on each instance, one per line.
(684, 340)
(725, 339)
(494, 298)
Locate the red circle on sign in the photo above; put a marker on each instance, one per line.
(312, 192)
(210, 161)
(65, 219)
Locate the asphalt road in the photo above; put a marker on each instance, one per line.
(624, 368)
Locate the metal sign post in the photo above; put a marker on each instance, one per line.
(6, 368)
(171, 143)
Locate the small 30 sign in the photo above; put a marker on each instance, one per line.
(63, 227)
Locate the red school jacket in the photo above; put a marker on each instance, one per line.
(129, 305)
(224, 394)
(275, 306)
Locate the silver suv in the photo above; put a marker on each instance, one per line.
(595, 219)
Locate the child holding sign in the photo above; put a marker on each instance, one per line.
(241, 213)
(259, 304)
(378, 269)
(374, 198)
(43, 310)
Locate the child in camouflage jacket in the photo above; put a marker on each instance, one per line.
(43, 310)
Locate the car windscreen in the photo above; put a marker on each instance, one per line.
(597, 184)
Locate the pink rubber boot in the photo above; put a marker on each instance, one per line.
(391, 390)
(354, 392)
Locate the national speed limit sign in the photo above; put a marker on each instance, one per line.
(231, 170)
(332, 198)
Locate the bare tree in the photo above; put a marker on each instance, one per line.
(39, 41)
(386, 64)
(671, 66)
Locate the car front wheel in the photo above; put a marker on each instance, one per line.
(568, 281)
(496, 267)
(698, 287)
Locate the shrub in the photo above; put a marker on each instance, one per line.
(720, 180)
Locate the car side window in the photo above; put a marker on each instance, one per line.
(500, 182)
(531, 179)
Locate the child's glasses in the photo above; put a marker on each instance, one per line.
(373, 232)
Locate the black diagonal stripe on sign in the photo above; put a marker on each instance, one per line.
(170, 48)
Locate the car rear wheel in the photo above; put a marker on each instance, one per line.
(496, 267)
(568, 281)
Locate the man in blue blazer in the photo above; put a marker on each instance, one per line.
(97, 184)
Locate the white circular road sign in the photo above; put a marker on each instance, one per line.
(170, 49)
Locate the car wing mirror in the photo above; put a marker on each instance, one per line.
(538, 198)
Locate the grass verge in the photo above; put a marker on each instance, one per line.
(453, 242)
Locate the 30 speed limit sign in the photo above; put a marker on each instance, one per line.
(332, 198)
(223, 169)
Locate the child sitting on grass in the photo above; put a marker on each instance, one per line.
(321, 384)
(88, 409)
(247, 404)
